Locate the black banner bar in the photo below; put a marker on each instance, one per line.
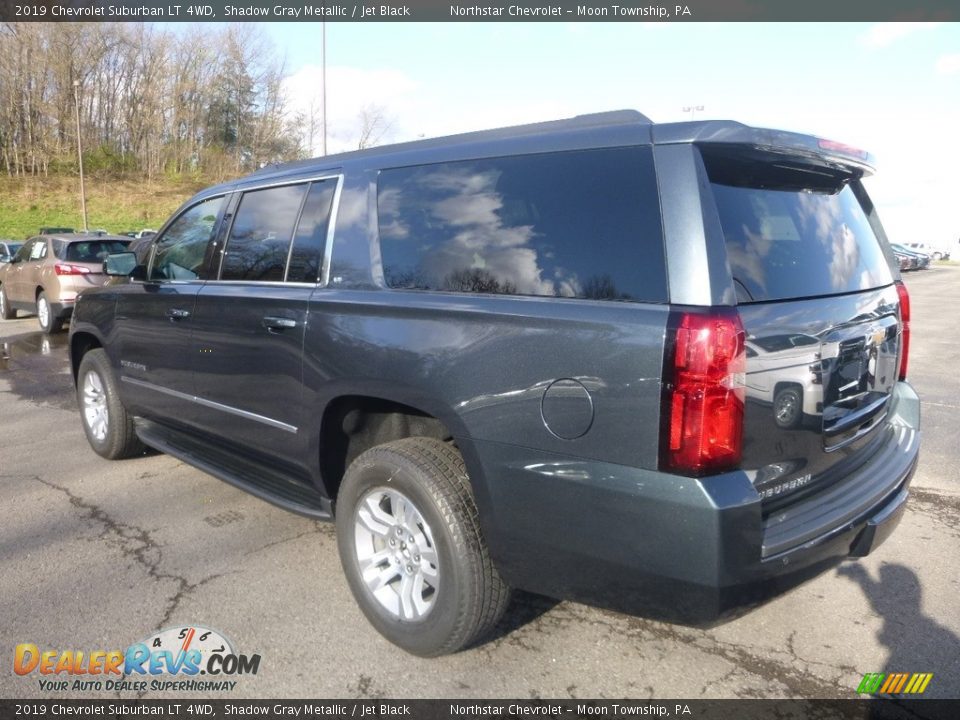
(468, 11)
(375, 709)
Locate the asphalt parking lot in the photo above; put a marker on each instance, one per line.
(96, 555)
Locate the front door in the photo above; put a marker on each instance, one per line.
(154, 319)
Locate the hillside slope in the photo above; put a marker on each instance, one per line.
(118, 205)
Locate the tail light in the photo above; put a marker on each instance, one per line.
(702, 403)
(68, 269)
(904, 328)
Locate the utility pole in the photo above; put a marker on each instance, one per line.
(323, 69)
(83, 195)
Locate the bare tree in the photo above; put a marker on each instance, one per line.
(374, 124)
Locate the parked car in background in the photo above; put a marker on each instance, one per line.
(56, 230)
(906, 261)
(935, 252)
(922, 259)
(8, 248)
(48, 271)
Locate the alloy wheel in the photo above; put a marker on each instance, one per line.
(396, 554)
(95, 413)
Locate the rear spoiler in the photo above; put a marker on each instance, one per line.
(775, 142)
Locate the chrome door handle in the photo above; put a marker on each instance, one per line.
(178, 314)
(279, 323)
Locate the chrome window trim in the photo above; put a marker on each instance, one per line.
(331, 227)
(211, 404)
(328, 246)
(297, 181)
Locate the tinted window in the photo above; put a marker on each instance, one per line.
(580, 224)
(306, 258)
(260, 238)
(179, 251)
(94, 251)
(24, 252)
(796, 242)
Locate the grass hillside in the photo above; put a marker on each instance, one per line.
(27, 204)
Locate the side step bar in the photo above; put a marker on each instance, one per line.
(258, 480)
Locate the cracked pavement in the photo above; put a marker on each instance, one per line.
(96, 555)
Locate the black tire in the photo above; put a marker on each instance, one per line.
(470, 596)
(48, 323)
(6, 312)
(788, 407)
(116, 439)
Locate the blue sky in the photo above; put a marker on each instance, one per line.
(893, 89)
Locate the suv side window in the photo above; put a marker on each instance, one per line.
(580, 224)
(310, 242)
(262, 231)
(179, 251)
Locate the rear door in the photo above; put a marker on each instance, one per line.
(817, 299)
(249, 324)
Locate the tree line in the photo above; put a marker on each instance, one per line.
(205, 99)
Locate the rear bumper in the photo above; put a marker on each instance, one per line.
(680, 548)
(63, 309)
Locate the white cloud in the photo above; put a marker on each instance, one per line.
(885, 34)
(948, 64)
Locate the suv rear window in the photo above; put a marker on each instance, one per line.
(789, 236)
(93, 251)
(582, 224)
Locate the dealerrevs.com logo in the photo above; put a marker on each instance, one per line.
(172, 659)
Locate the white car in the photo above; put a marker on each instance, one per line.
(934, 252)
(786, 373)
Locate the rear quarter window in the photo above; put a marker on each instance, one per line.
(582, 224)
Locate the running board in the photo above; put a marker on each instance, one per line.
(255, 478)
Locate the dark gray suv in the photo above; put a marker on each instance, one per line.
(658, 367)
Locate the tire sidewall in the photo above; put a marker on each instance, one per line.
(428, 636)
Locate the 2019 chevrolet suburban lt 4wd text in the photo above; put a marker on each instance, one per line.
(659, 367)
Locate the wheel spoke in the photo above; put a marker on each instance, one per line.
(428, 563)
(419, 603)
(408, 608)
(381, 578)
(374, 561)
(373, 518)
(398, 504)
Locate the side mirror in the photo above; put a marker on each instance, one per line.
(120, 264)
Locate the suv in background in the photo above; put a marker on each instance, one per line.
(519, 358)
(49, 271)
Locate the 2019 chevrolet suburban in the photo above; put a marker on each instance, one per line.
(652, 366)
